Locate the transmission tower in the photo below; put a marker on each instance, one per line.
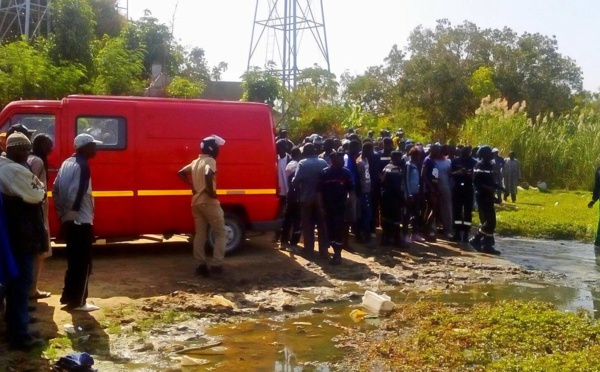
(27, 18)
(123, 8)
(279, 28)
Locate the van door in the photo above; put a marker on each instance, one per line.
(113, 183)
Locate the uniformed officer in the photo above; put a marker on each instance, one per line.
(392, 200)
(595, 197)
(462, 194)
(485, 193)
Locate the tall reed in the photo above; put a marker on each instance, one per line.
(562, 150)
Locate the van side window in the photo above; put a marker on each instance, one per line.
(111, 130)
(41, 123)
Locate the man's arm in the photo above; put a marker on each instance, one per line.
(210, 184)
(184, 176)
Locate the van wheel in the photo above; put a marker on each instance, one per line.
(235, 233)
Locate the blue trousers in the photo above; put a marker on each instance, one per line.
(17, 297)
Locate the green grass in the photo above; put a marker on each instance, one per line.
(56, 347)
(505, 336)
(552, 215)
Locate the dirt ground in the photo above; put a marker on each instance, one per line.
(135, 282)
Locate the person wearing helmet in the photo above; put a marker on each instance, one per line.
(485, 193)
(206, 208)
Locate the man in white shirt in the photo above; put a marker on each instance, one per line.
(75, 207)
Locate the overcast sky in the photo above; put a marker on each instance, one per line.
(361, 33)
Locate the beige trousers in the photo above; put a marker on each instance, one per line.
(204, 215)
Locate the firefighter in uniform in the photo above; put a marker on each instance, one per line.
(462, 194)
(595, 197)
(392, 203)
(485, 193)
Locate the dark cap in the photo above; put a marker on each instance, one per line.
(484, 151)
(21, 129)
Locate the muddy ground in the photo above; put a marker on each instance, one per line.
(152, 305)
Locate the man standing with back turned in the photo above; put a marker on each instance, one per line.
(205, 205)
(75, 207)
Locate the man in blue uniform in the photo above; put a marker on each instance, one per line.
(462, 194)
(335, 184)
(485, 193)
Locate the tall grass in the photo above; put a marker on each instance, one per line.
(562, 150)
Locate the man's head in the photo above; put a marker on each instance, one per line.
(328, 145)
(466, 152)
(367, 150)
(415, 154)
(354, 148)
(309, 150)
(388, 145)
(282, 133)
(485, 153)
(354, 137)
(210, 146)
(18, 147)
(435, 151)
(337, 160)
(512, 155)
(318, 143)
(85, 145)
(495, 151)
(20, 128)
(396, 158)
(370, 134)
(296, 153)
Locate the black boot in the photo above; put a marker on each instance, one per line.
(465, 238)
(385, 237)
(457, 236)
(476, 242)
(488, 246)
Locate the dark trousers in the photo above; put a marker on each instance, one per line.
(291, 229)
(414, 212)
(487, 216)
(79, 263)
(375, 208)
(17, 297)
(463, 209)
(366, 217)
(391, 219)
(311, 216)
(334, 221)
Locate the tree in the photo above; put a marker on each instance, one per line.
(261, 86)
(118, 69)
(108, 20)
(27, 72)
(482, 83)
(184, 88)
(73, 31)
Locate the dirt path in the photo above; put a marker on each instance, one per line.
(135, 283)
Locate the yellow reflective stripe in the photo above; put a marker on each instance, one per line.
(164, 192)
(105, 194)
(219, 192)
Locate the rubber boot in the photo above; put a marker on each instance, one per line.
(476, 242)
(488, 246)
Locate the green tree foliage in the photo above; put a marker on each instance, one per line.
(118, 68)
(27, 72)
(156, 39)
(73, 31)
(195, 67)
(261, 86)
(183, 88)
(482, 83)
(443, 73)
(108, 20)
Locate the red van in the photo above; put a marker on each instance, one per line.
(146, 141)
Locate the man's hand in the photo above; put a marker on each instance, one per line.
(212, 194)
(591, 204)
(71, 216)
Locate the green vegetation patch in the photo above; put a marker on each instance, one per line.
(554, 215)
(505, 336)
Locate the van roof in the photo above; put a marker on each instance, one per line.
(159, 99)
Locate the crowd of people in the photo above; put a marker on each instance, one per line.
(352, 185)
(24, 228)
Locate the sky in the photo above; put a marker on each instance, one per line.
(361, 33)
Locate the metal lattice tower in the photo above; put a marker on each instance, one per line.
(279, 27)
(27, 18)
(123, 8)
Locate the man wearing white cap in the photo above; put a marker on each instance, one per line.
(22, 195)
(75, 207)
(205, 205)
